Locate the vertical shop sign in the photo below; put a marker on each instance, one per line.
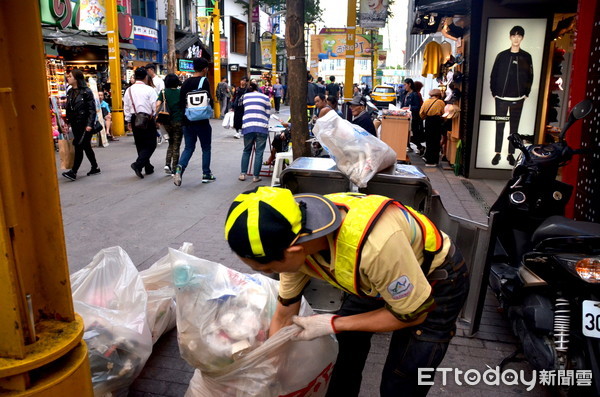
(511, 87)
(265, 51)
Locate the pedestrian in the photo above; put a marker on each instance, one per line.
(277, 94)
(238, 107)
(399, 273)
(431, 111)
(321, 89)
(141, 98)
(155, 81)
(413, 101)
(360, 116)
(223, 94)
(171, 94)
(255, 130)
(196, 130)
(356, 91)
(106, 115)
(332, 88)
(332, 101)
(81, 116)
(311, 93)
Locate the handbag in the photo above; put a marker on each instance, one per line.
(98, 127)
(163, 115)
(142, 120)
(66, 152)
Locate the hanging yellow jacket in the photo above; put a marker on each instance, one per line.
(362, 214)
(432, 59)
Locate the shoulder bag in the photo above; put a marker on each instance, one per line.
(142, 120)
(163, 116)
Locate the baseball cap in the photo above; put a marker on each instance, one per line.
(358, 100)
(263, 222)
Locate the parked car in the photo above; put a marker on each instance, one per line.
(383, 95)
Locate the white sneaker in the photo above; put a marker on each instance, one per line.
(237, 135)
(168, 170)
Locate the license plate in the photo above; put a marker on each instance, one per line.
(591, 319)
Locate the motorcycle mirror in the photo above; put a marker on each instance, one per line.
(578, 112)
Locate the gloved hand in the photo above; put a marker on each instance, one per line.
(314, 326)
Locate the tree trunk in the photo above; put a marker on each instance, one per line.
(171, 57)
(249, 49)
(296, 82)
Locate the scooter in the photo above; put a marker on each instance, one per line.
(545, 268)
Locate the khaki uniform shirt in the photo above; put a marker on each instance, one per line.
(390, 266)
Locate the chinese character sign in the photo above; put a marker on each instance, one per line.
(373, 13)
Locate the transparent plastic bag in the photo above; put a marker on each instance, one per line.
(161, 307)
(110, 296)
(357, 154)
(223, 319)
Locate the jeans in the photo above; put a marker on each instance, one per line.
(420, 346)
(145, 144)
(502, 109)
(249, 140)
(83, 143)
(191, 133)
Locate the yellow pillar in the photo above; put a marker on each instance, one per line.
(114, 68)
(350, 42)
(39, 330)
(217, 52)
(273, 58)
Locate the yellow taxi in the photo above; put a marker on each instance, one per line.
(383, 95)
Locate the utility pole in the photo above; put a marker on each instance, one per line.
(114, 67)
(294, 41)
(249, 49)
(350, 42)
(171, 58)
(217, 53)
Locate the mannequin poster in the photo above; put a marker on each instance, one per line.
(511, 82)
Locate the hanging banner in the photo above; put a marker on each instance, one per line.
(333, 46)
(373, 13)
(265, 51)
(381, 58)
(204, 26)
(92, 16)
(223, 49)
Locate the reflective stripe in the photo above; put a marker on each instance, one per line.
(253, 229)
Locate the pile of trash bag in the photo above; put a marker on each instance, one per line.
(223, 319)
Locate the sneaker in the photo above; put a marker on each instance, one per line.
(207, 178)
(177, 175)
(137, 171)
(159, 140)
(511, 159)
(94, 171)
(496, 159)
(168, 170)
(70, 175)
(237, 135)
(256, 179)
(430, 165)
(242, 177)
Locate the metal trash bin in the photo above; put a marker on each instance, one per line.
(314, 175)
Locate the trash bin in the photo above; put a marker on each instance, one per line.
(314, 175)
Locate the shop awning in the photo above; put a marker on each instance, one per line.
(185, 42)
(78, 38)
(127, 46)
(443, 7)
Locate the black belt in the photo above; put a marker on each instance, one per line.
(442, 274)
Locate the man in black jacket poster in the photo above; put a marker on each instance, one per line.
(510, 83)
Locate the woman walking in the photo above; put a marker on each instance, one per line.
(277, 94)
(81, 115)
(255, 129)
(171, 95)
(413, 101)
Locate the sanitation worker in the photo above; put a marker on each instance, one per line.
(399, 271)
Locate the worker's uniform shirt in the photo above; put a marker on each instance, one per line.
(390, 266)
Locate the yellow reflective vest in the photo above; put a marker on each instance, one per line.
(362, 212)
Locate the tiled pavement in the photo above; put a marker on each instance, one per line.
(147, 216)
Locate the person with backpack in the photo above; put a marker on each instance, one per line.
(195, 95)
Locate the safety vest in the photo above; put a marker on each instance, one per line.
(362, 212)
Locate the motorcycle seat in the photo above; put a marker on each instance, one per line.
(559, 226)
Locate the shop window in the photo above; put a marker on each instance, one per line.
(138, 7)
(238, 36)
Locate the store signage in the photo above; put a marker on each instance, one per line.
(333, 31)
(234, 67)
(186, 65)
(373, 13)
(61, 13)
(161, 10)
(145, 33)
(92, 16)
(333, 46)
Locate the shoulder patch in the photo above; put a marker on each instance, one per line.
(400, 288)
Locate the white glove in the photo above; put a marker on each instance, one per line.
(314, 326)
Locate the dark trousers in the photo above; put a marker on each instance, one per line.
(145, 144)
(514, 110)
(83, 143)
(420, 346)
(433, 135)
(277, 100)
(416, 126)
(175, 132)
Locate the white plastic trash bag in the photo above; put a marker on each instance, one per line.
(161, 307)
(223, 319)
(357, 154)
(110, 296)
(228, 120)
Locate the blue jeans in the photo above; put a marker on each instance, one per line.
(191, 133)
(261, 142)
(420, 346)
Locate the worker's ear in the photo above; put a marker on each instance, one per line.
(295, 250)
